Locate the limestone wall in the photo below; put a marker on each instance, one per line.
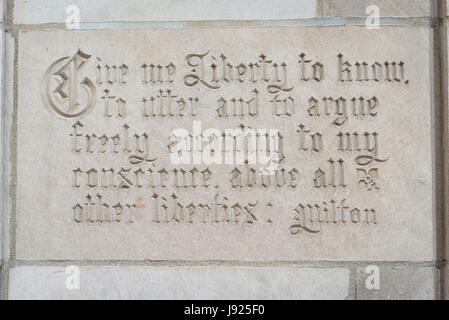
(95, 96)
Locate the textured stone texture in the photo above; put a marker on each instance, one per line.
(2, 40)
(51, 11)
(388, 8)
(1, 134)
(46, 228)
(8, 68)
(180, 283)
(420, 283)
(444, 40)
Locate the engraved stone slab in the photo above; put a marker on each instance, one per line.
(128, 144)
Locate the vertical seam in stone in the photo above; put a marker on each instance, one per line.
(11, 156)
(320, 8)
(7, 13)
(440, 103)
(352, 286)
(13, 150)
(2, 117)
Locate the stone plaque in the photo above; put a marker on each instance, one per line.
(256, 144)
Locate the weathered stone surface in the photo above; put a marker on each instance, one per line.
(388, 8)
(1, 137)
(52, 11)
(389, 178)
(8, 142)
(2, 30)
(179, 283)
(419, 283)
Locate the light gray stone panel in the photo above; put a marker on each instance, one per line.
(179, 283)
(7, 142)
(52, 11)
(388, 8)
(399, 283)
(2, 61)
